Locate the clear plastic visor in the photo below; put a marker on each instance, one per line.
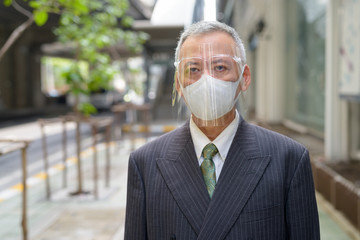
(208, 78)
(218, 61)
(221, 66)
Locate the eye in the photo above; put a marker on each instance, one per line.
(220, 64)
(194, 70)
(220, 68)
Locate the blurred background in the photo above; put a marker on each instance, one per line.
(82, 82)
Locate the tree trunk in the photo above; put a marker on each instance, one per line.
(19, 30)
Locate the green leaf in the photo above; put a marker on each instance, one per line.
(80, 7)
(143, 37)
(7, 3)
(127, 21)
(87, 109)
(40, 17)
(34, 4)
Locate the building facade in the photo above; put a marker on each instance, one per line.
(303, 55)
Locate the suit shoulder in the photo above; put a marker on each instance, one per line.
(270, 140)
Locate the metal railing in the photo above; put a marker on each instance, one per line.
(96, 123)
(7, 146)
(130, 111)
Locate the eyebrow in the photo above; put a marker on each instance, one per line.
(220, 60)
(191, 63)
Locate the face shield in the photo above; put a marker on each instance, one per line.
(208, 78)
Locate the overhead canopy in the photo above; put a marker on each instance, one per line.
(173, 13)
(162, 37)
(167, 21)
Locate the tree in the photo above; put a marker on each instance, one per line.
(91, 28)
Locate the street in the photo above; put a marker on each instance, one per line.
(10, 164)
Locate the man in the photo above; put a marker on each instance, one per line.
(217, 176)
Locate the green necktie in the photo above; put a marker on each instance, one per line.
(208, 167)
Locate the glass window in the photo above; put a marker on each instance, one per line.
(305, 65)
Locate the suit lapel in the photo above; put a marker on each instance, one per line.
(181, 172)
(240, 175)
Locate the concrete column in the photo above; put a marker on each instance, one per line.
(262, 79)
(270, 58)
(336, 110)
(244, 20)
(6, 85)
(276, 88)
(38, 100)
(21, 79)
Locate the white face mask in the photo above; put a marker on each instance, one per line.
(210, 98)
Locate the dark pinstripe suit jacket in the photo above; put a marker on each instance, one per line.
(265, 190)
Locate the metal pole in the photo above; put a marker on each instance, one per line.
(358, 207)
(78, 149)
(24, 195)
(146, 114)
(132, 113)
(94, 130)
(108, 160)
(64, 143)
(46, 162)
(117, 125)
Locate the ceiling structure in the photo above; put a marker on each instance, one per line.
(154, 17)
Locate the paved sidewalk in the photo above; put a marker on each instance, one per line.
(83, 217)
(73, 217)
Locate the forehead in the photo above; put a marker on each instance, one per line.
(208, 44)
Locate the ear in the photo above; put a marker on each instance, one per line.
(246, 78)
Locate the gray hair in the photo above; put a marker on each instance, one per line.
(204, 27)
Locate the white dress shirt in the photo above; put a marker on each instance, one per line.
(222, 142)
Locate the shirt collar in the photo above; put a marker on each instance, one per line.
(222, 142)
